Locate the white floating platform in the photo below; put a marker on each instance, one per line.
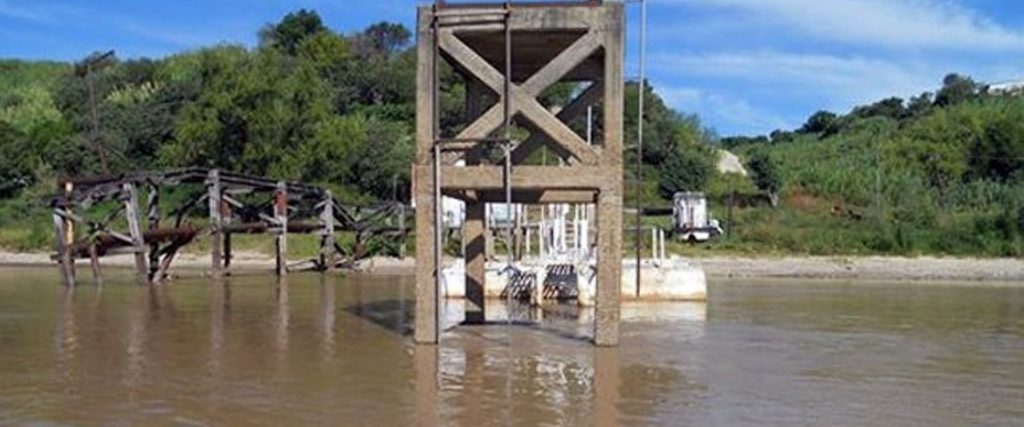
(671, 279)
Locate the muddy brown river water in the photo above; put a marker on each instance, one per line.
(338, 352)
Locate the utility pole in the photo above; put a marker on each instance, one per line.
(85, 69)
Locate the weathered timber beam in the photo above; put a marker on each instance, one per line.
(106, 242)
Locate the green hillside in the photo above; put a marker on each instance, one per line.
(940, 173)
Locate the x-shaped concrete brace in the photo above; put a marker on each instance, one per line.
(524, 96)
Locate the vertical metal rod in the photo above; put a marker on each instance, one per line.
(435, 135)
(507, 128)
(508, 186)
(640, 137)
(590, 125)
(95, 118)
(401, 226)
(438, 248)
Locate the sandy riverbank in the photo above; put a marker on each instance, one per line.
(872, 267)
(810, 267)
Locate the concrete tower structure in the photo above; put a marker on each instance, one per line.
(509, 54)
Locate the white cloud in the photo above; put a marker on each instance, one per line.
(891, 23)
(839, 81)
(32, 12)
(723, 110)
(180, 38)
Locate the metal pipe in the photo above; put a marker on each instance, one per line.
(640, 137)
(436, 133)
(507, 103)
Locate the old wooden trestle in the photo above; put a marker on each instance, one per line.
(233, 203)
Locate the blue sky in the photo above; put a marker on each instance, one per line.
(745, 66)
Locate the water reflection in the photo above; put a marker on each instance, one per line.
(220, 311)
(327, 307)
(606, 387)
(336, 348)
(426, 385)
(66, 340)
(282, 316)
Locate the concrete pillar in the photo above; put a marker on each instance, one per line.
(473, 239)
(609, 267)
(426, 266)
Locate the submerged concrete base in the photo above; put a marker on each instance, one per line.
(673, 279)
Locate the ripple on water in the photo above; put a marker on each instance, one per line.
(315, 351)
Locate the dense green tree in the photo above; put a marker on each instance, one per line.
(779, 136)
(739, 141)
(819, 122)
(288, 34)
(956, 88)
(766, 175)
(889, 107)
(382, 38)
(16, 161)
(687, 169)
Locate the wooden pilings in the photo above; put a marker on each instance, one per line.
(154, 235)
(65, 234)
(131, 210)
(213, 198)
(226, 220)
(153, 225)
(327, 251)
(281, 230)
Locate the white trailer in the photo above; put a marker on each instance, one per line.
(691, 221)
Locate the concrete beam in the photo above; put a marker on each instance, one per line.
(533, 197)
(578, 107)
(523, 177)
(524, 98)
